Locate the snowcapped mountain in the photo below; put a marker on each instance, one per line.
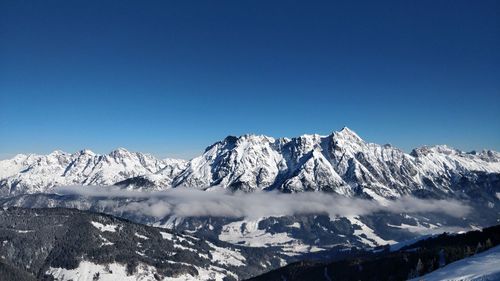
(341, 162)
(40, 173)
(247, 162)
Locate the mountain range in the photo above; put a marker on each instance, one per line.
(341, 162)
(337, 167)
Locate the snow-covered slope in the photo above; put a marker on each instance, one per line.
(247, 162)
(481, 267)
(40, 173)
(341, 162)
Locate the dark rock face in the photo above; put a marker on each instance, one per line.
(136, 181)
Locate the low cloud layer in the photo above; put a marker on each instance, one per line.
(184, 202)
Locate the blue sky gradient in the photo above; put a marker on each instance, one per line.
(172, 77)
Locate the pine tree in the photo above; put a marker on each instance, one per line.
(442, 260)
(488, 243)
(420, 267)
(468, 251)
(412, 274)
(479, 247)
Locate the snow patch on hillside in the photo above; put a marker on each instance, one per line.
(166, 235)
(367, 235)
(104, 227)
(226, 256)
(87, 271)
(247, 233)
(140, 236)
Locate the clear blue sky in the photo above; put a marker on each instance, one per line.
(172, 77)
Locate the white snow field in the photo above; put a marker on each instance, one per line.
(481, 267)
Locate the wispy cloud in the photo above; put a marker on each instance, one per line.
(184, 202)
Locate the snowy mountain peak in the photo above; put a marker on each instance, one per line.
(442, 149)
(85, 152)
(120, 153)
(18, 157)
(255, 138)
(347, 134)
(488, 155)
(58, 152)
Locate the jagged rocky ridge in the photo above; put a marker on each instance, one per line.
(41, 173)
(341, 162)
(67, 244)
